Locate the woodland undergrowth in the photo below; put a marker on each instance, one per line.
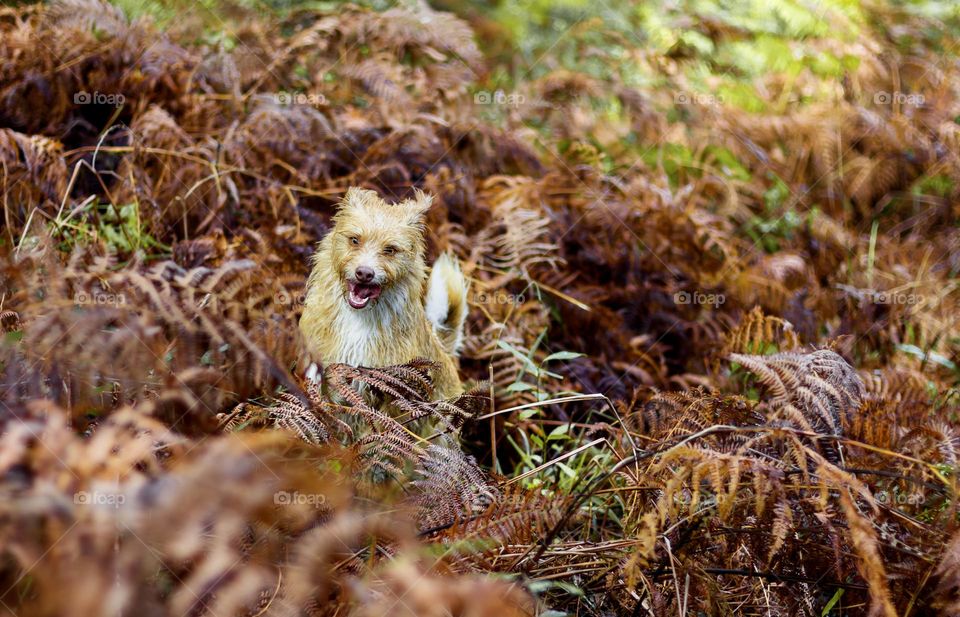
(720, 384)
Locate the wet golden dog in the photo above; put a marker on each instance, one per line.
(369, 300)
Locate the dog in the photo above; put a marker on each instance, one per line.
(369, 301)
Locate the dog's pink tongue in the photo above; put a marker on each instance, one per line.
(360, 295)
(365, 292)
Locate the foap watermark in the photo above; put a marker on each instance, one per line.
(296, 498)
(865, 297)
(498, 297)
(895, 497)
(894, 297)
(900, 98)
(99, 498)
(99, 98)
(699, 298)
(290, 299)
(299, 98)
(99, 298)
(499, 97)
(697, 98)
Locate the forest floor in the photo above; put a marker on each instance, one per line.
(713, 352)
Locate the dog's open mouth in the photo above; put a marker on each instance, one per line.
(361, 294)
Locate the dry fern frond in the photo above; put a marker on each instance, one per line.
(450, 488)
(871, 565)
(405, 590)
(33, 174)
(514, 517)
(817, 389)
(670, 415)
(757, 333)
(947, 592)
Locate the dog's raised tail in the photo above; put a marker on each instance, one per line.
(446, 302)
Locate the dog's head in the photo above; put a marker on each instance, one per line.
(378, 247)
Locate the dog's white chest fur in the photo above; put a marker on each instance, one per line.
(359, 336)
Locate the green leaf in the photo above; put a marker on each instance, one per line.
(522, 357)
(526, 414)
(932, 356)
(833, 601)
(520, 386)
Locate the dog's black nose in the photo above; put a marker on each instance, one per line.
(364, 274)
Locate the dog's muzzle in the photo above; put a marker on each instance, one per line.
(359, 295)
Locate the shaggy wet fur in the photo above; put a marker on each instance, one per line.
(369, 302)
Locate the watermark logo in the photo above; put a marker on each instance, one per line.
(900, 98)
(697, 98)
(894, 297)
(99, 298)
(895, 497)
(99, 498)
(98, 98)
(290, 299)
(299, 98)
(296, 498)
(699, 298)
(499, 97)
(498, 297)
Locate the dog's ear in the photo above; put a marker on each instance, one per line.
(416, 208)
(356, 196)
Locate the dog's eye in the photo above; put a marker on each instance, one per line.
(354, 240)
(390, 250)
